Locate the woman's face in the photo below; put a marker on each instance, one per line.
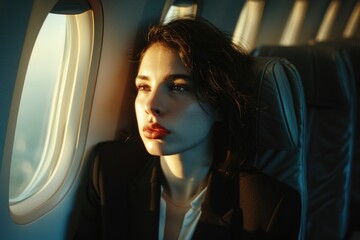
(170, 118)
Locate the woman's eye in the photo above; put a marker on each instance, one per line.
(179, 87)
(143, 87)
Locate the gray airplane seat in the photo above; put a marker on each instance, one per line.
(280, 125)
(330, 96)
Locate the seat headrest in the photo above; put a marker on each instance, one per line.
(277, 108)
(325, 89)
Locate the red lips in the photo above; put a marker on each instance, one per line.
(155, 131)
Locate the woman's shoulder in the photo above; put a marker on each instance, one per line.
(124, 148)
(122, 158)
(270, 203)
(266, 190)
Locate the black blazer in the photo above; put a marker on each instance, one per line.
(124, 195)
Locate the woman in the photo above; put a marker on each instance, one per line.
(190, 177)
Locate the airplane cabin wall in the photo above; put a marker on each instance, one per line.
(224, 14)
(112, 108)
(14, 21)
(19, 25)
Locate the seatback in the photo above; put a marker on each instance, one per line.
(350, 49)
(280, 125)
(329, 93)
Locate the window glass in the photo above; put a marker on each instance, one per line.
(248, 24)
(180, 11)
(29, 168)
(294, 23)
(52, 115)
(353, 22)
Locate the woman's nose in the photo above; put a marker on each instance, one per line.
(155, 104)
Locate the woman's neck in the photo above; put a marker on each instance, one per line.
(186, 176)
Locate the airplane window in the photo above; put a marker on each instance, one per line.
(294, 23)
(36, 105)
(248, 24)
(328, 21)
(180, 10)
(50, 110)
(353, 22)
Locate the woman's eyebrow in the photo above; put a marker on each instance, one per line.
(179, 76)
(169, 77)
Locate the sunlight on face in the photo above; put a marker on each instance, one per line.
(170, 118)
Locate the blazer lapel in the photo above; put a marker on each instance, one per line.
(144, 200)
(221, 216)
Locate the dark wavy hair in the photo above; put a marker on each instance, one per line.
(222, 77)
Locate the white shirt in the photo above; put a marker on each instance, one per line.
(190, 220)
